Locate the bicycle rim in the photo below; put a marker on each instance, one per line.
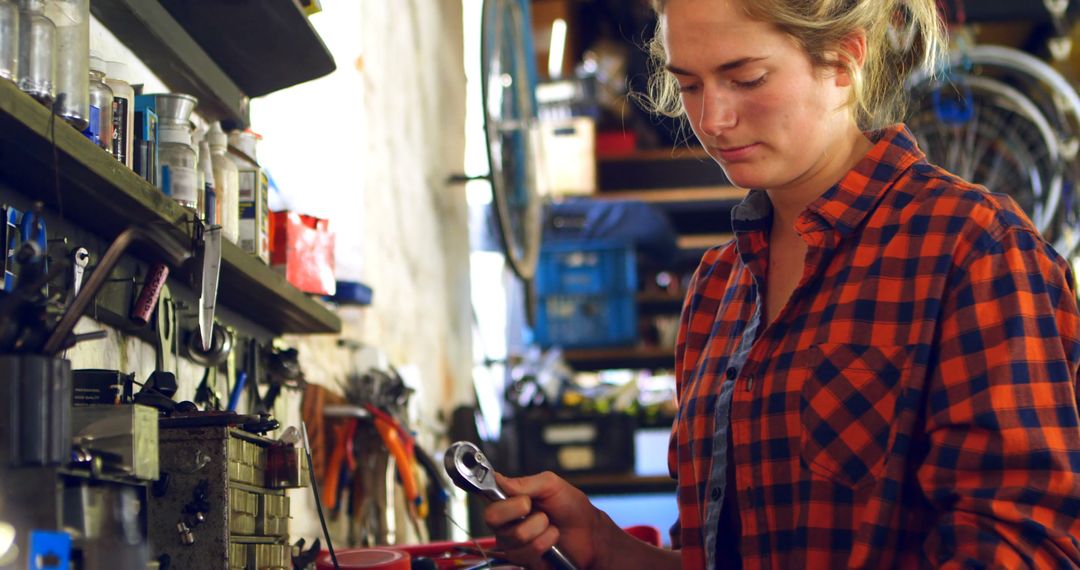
(512, 134)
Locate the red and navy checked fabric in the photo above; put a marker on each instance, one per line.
(915, 402)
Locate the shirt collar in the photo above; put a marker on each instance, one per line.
(847, 203)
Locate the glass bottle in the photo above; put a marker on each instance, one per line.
(72, 19)
(123, 111)
(37, 45)
(226, 183)
(179, 178)
(101, 103)
(9, 40)
(206, 167)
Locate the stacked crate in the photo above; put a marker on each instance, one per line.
(586, 294)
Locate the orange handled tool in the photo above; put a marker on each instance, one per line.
(389, 434)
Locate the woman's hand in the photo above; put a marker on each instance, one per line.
(542, 511)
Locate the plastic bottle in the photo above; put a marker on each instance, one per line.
(101, 102)
(211, 212)
(179, 178)
(226, 183)
(9, 40)
(72, 19)
(123, 111)
(37, 45)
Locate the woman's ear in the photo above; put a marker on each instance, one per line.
(852, 51)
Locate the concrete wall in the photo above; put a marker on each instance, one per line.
(382, 136)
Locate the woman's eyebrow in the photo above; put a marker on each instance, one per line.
(734, 64)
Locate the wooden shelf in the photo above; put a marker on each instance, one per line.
(621, 357)
(703, 194)
(678, 153)
(223, 53)
(621, 484)
(263, 45)
(703, 241)
(101, 195)
(658, 303)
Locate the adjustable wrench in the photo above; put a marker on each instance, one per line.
(470, 470)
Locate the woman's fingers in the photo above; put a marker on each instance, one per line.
(522, 532)
(501, 513)
(531, 553)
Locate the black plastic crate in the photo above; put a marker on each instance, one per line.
(569, 442)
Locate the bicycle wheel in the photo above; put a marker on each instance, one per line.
(1031, 119)
(510, 123)
(991, 134)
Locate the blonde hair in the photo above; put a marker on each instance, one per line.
(819, 27)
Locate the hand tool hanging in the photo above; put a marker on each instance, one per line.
(165, 245)
(208, 255)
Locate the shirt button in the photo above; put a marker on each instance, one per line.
(731, 373)
(715, 494)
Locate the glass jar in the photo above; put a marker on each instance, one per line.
(101, 104)
(37, 45)
(9, 40)
(72, 19)
(123, 111)
(178, 162)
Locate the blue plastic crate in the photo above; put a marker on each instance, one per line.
(586, 268)
(586, 321)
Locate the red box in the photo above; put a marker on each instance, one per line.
(610, 144)
(302, 247)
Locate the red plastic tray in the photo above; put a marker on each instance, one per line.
(449, 554)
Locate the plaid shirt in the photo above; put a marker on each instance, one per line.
(914, 404)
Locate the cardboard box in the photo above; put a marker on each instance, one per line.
(569, 148)
(255, 212)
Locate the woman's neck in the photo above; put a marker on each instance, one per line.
(790, 201)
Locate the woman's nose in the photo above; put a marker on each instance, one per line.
(717, 114)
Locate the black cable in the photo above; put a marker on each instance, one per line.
(318, 500)
(56, 156)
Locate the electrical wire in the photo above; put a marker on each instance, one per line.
(488, 560)
(56, 156)
(318, 501)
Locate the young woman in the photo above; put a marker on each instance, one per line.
(881, 370)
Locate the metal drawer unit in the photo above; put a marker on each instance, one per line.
(217, 474)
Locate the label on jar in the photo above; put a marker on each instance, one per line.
(181, 184)
(120, 128)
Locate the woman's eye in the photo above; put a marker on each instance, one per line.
(687, 88)
(749, 84)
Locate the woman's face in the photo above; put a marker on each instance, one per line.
(753, 98)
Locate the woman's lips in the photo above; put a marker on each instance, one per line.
(736, 153)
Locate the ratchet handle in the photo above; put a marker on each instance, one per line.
(553, 556)
(558, 560)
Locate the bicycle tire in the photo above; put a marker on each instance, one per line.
(1045, 98)
(512, 131)
(1008, 131)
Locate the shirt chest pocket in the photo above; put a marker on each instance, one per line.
(847, 406)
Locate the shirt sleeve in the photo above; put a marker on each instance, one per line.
(1002, 465)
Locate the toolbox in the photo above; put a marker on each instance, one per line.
(129, 432)
(219, 472)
